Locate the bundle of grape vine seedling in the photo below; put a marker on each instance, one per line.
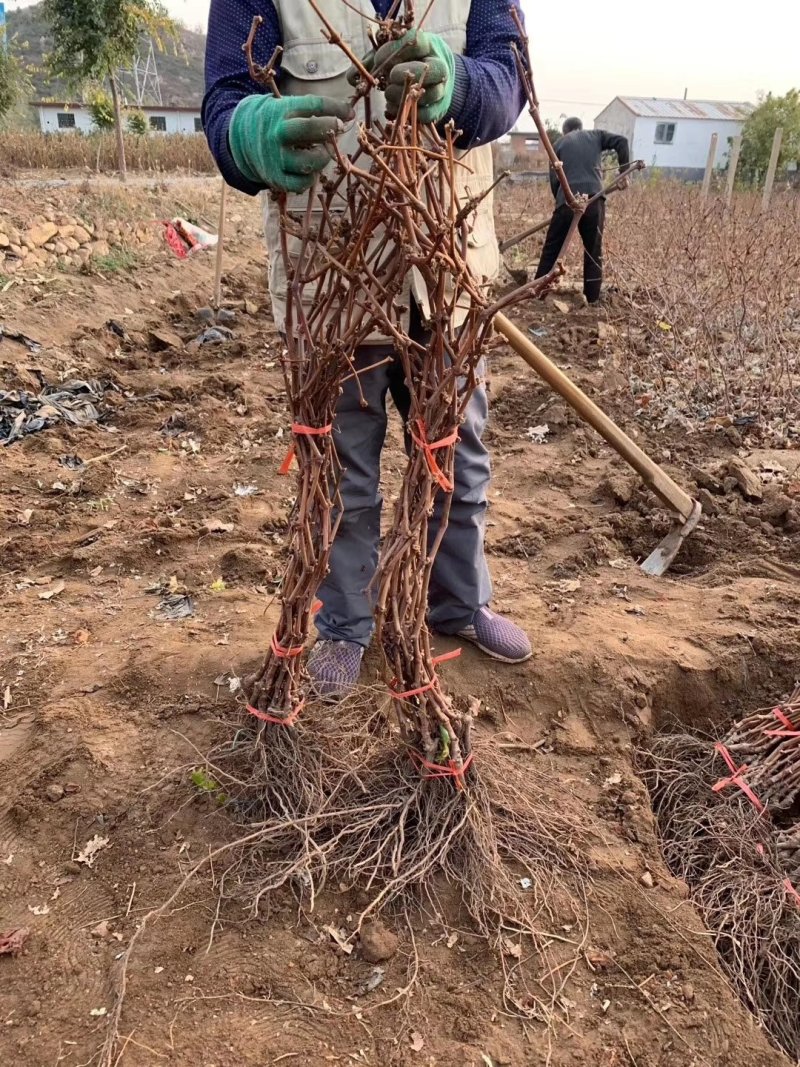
(390, 211)
(392, 790)
(729, 820)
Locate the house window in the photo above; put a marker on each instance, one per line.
(198, 125)
(665, 132)
(158, 122)
(66, 120)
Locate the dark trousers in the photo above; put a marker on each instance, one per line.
(590, 228)
(460, 583)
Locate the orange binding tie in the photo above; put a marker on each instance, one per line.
(736, 778)
(285, 653)
(429, 447)
(302, 431)
(276, 720)
(439, 770)
(787, 724)
(431, 684)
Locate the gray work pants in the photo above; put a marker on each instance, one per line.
(460, 582)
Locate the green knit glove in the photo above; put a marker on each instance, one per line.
(280, 142)
(416, 53)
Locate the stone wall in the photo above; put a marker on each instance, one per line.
(65, 241)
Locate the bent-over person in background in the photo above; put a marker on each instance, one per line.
(581, 152)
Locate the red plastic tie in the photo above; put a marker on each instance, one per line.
(311, 431)
(736, 778)
(286, 466)
(174, 241)
(316, 606)
(413, 692)
(446, 657)
(431, 684)
(789, 728)
(439, 770)
(289, 720)
(302, 431)
(790, 889)
(285, 653)
(429, 447)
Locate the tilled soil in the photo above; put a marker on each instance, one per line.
(107, 706)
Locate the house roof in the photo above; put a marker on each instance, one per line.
(74, 105)
(664, 108)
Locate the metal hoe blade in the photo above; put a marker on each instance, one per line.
(659, 560)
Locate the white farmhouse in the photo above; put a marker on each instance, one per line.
(68, 117)
(674, 135)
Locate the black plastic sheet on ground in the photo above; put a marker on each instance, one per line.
(73, 402)
(20, 338)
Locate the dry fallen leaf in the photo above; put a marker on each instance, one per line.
(510, 948)
(54, 590)
(81, 637)
(39, 909)
(599, 960)
(417, 1042)
(25, 517)
(88, 853)
(99, 1012)
(340, 937)
(217, 526)
(7, 698)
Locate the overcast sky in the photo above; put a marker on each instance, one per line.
(623, 48)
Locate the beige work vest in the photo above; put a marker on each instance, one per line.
(310, 65)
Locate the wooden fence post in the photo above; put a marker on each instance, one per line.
(220, 238)
(712, 155)
(733, 163)
(773, 166)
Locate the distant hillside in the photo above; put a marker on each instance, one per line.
(181, 76)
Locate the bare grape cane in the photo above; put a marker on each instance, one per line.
(389, 211)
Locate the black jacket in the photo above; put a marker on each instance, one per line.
(581, 153)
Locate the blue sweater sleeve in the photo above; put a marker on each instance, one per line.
(487, 99)
(489, 95)
(228, 80)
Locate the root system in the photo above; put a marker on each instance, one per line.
(739, 857)
(331, 803)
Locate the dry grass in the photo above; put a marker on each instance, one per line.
(28, 150)
(707, 301)
(711, 298)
